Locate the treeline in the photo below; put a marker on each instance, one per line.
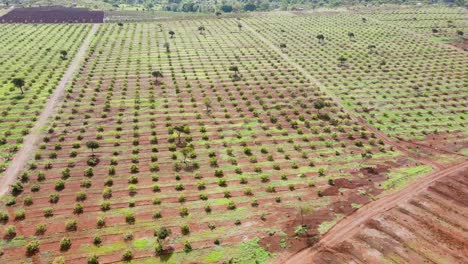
(228, 6)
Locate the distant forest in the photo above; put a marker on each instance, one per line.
(226, 6)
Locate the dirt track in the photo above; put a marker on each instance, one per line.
(30, 141)
(357, 222)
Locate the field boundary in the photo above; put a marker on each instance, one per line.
(353, 116)
(350, 225)
(32, 139)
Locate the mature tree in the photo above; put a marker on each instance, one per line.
(460, 33)
(435, 31)
(207, 103)
(167, 46)
(235, 69)
(92, 145)
(319, 104)
(18, 83)
(181, 129)
(342, 60)
(303, 210)
(364, 20)
(371, 48)
(63, 54)
(172, 33)
(186, 152)
(157, 74)
(321, 38)
(282, 45)
(351, 36)
(201, 29)
(239, 25)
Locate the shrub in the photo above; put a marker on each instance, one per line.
(162, 232)
(187, 246)
(78, 208)
(93, 259)
(65, 244)
(100, 222)
(185, 229)
(41, 229)
(48, 212)
(158, 249)
(107, 193)
(231, 205)
(28, 200)
(88, 172)
(20, 214)
(80, 196)
(71, 225)
(134, 168)
(127, 255)
(3, 217)
(10, 232)
(32, 247)
(105, 206)
(183, 211)
(59, 185)
(97, 240)
(130, 218)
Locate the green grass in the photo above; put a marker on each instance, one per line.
(104, 249)
(327, 225)
(399, 178)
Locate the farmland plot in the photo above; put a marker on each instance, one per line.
(406, 86)
(33, 53)
(206, 132)
(440, 24)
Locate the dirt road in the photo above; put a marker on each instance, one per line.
(32, 140)
(337, 100)
(349, 226)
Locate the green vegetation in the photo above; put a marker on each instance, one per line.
(401, 177)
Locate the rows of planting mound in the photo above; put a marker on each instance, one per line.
(429, 228)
